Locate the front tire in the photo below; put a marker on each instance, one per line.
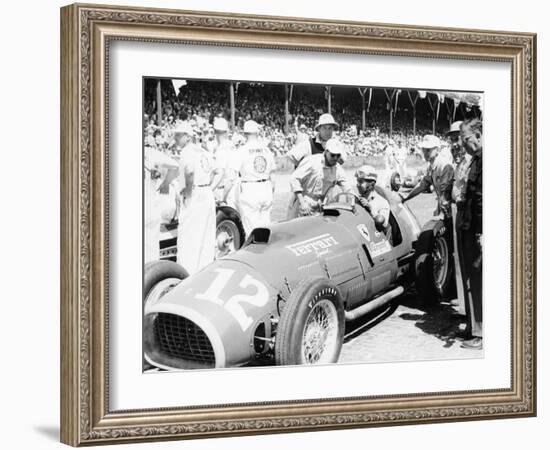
(311, 326)
(159, 277)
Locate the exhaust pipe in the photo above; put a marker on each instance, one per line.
(373, 304)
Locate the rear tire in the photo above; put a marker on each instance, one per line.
(228, 222)
(311, 326)
(395, 181)
(433, 263)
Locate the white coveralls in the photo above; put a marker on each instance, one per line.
(225, 153)
(313, 178)
(155, 165)
(197, 216)
(254, 162)
(151, 218)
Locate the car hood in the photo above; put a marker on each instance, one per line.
(222, 305)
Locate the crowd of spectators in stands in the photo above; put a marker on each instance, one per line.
(200, 102)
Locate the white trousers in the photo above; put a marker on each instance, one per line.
(255, 202)
(151, 216)
(197, 230)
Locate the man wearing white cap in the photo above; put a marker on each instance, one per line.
(314, 177)
(255, 163)
(440, 174)
(197, 216)
(324, 129)
(224, 153)
(374, 203)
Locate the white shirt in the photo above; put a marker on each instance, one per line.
(254, 161)
(224, 154)
(196, 167)
(314, 178)
(378, 206)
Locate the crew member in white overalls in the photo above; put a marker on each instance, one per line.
(156, 166)
(151, 216)
(315, 178)
(197, 216)
(224, 153)
(255, 164)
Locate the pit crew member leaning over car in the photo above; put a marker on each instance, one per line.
(255, 163)
(374, 203)
(313, 179)
(440, 174)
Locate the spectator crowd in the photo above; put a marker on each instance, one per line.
(200, 102)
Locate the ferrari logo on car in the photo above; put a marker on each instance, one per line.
(319, 244)
(364, 231)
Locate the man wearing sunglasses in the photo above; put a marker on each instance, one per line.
(314, 178)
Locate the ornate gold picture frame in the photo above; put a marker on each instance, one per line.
(87, 31)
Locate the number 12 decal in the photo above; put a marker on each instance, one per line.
(234, 304)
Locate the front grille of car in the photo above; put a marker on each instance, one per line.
(180, 338)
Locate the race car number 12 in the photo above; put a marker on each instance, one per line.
(233, 305)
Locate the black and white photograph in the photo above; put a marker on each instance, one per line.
(295, 224)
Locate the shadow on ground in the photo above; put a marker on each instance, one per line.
(439, 319)
(369, 321)
(50, 432)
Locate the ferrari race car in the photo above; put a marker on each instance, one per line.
(286, 295)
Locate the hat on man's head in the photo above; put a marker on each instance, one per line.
(430, 141)
(334, 146)
(184, 128)
(366, 173)
(326, 119)
(455, 127)
(251, 127)
(220, 124)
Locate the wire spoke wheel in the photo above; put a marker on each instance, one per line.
(160, 289)
(228, 238)
(320, 336)
(440, 261)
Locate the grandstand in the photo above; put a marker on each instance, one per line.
(369, 117)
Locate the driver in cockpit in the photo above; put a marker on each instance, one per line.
(374, 203)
